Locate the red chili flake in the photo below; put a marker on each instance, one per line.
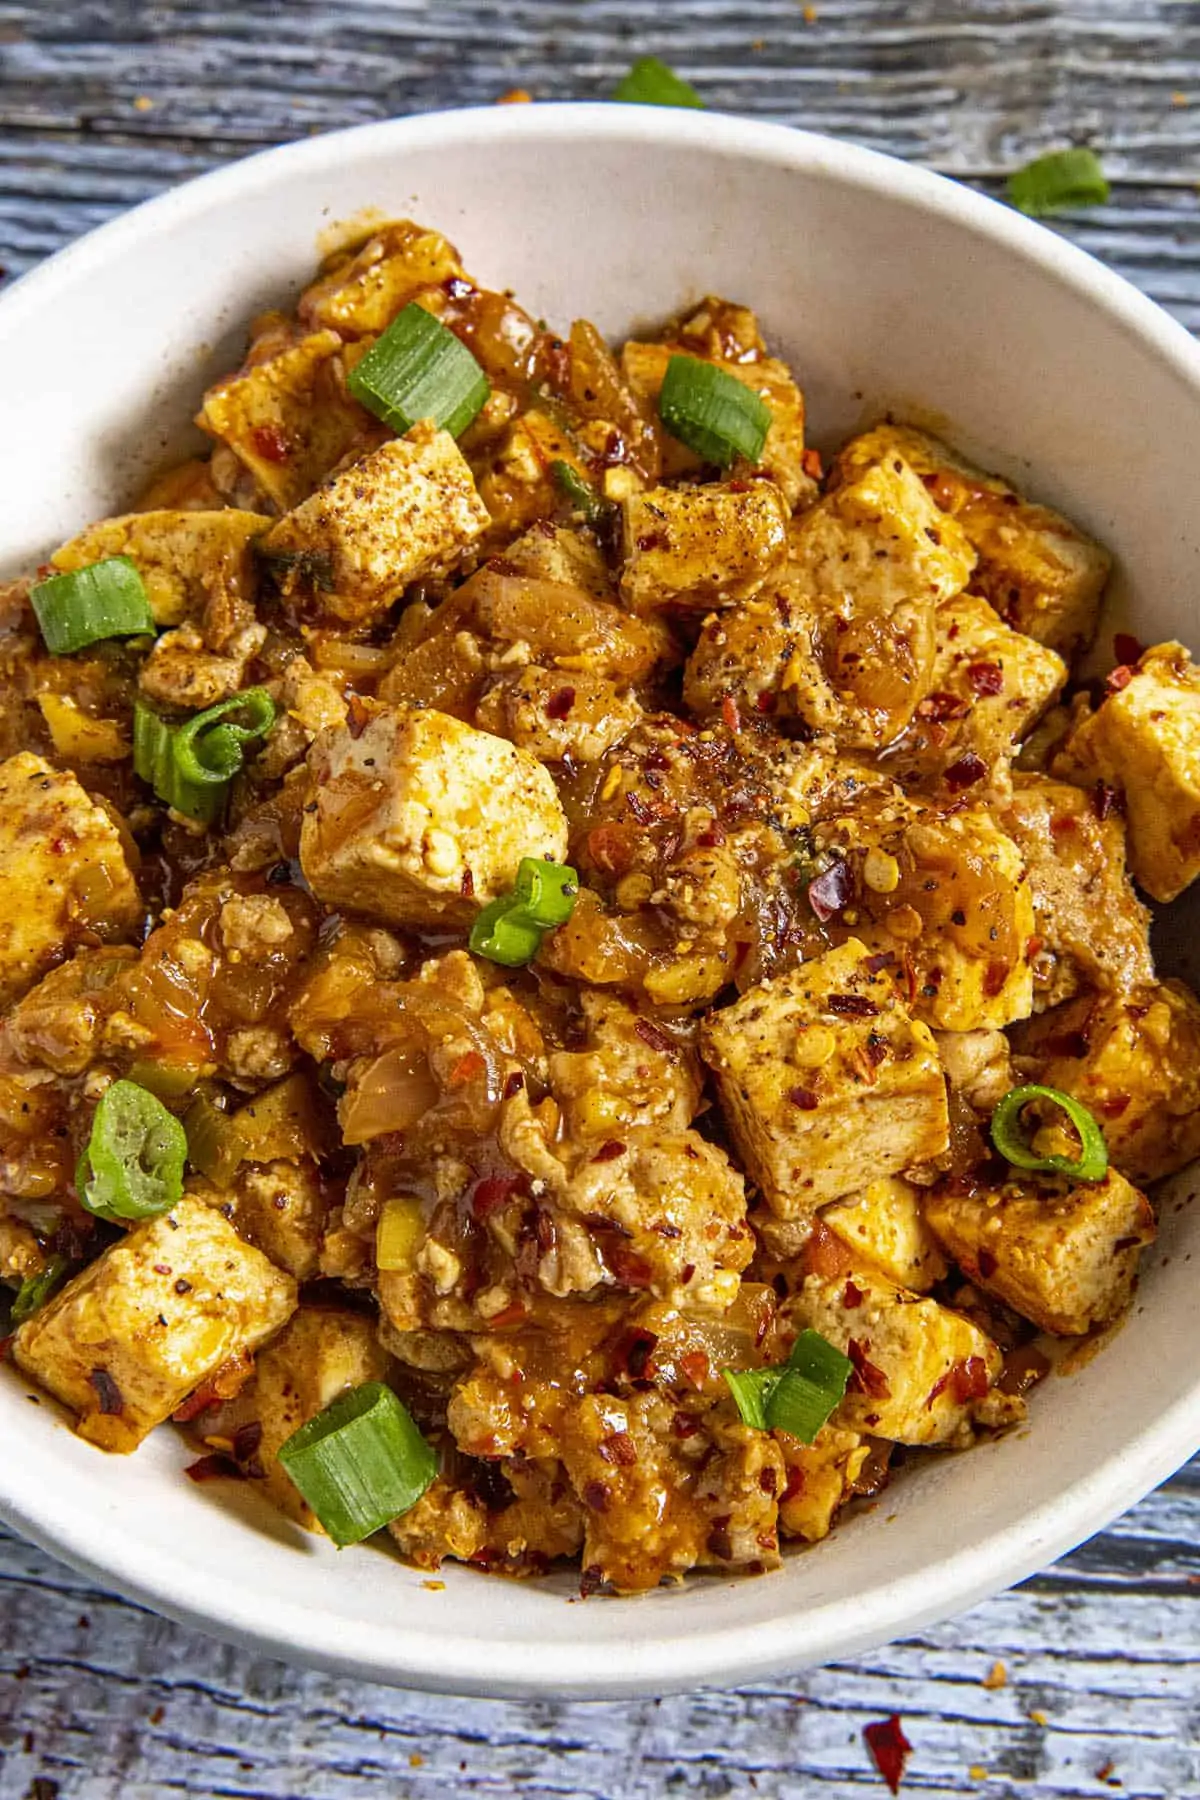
(1033, 948)
(247, 1440)
(852, 1296)
(595, 1495)
(1120, 678)
(467, 885)
(987, 1264)
(514, 1084)
(804, 1098)
(965, 772)
(493, 1192)
(851, 1006)
(969, 1379)
(889, 1748)
(204, 1397)
(609, 1152)
(618, 1448)
(214, 1468)
(1127, 648)
(686, 1273)
(937, 1390)
(270, 443)
(867, 1379)
(560, 703)
(1106, 800)
(875, 1047)
(1113, 1107)
(509, 1315)
(985, 677)
(712, 837)
(358, 715)
(729, 713)
(630, 1269)
(793, 1485)
(1060, 826)
(994, 978)
(810, 462)
(768, 1480)
(683, 1425)
(106, 1391)
(695, 1366)
(162, 1268)
(766, 702)
(883, 959)
(656, 1039)
(632, 1352)
(467, 1068)
(831, 890)
(939, 708)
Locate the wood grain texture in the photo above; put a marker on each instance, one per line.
(1102, 1651)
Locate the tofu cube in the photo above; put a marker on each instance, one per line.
(1042, 574)
(1064, 1256)
(922, 1373)
(1133, 1059)
(288, 418)
(820, 1478)
(1144, 740)
(188, 561)
(549, 552)
(990, 684)
(406, 511)
(131, 1336)
(879, 541)
(826, 1081)
(279, 1207)
(515, 483)
(64, 872)
(421, 820)
(1092, 929)
(886, 1225)
(322, 1352)
(362, 288)
(699, 547)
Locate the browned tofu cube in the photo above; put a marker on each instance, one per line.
(1133, 1059)
(700, 547)
(886, 1225)
(820, 1479)
(1064, 1255)
(990, 685)
(279, 1207)
(362, 288)
(131, 1336)
(188, 561)
(826, 1081)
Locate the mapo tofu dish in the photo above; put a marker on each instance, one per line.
(575, 981)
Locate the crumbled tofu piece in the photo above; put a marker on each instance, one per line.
(1041, 573)
(279, 1207)
(978, 1066)
(820, 1478)
(64, 872)
(20, 1253)
(323, 1352)
(58, 1023)
(886, 1225)
(524, 1535)
(549, 552)
(421, 820)
(362, 288)
(700, 547)
(622, 1078)
(313, 700)
(130, 1337)
(288, 417)
(1133, 1059)
(990, 684)
(189, 562)
(515, 483)
(1064, 1255)
(1144, 740)
(879, 540)
(922, 1373)
(407, 510)
(181, 671)
(1092, 929)
(826, 1081)
(552, 719)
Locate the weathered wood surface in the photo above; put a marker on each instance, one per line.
(103, 102)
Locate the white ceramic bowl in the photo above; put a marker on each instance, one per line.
(886, 288)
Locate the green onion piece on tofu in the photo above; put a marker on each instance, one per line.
(1008, 1135)
(105, 600)
(582, 496)
(1058, 182)
(191, 765)
(651, 83)
(132, 1167)
(509, 930)
(418, 369)
(216, 1146)
(35, 1290)
(360, 1463)
(712, 412)
(796, 1397)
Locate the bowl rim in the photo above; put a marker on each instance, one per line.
(670, 1655)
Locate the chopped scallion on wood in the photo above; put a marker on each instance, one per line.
(1058, 182)
(651, 83)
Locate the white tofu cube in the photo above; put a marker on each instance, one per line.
(1144, 740)
(878, 541)
(820, 1479)
(64, 872)
(1064, 1255)
(129, 1338)
(826, 1081)
(280, 1207)
(700, 547)
(990, 685)
(421, 820)
(886, 1225)
(408, 510)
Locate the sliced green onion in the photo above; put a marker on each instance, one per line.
(1058, 182)
(1007, 1135)
(796, 1397)
(752, 1389)
(418, 369)
(132, 1167)
(712, 412)
(215, 1142)
(191, 765)
(509, 930)
(581, 494)
(35, 1290)
(105, 600)
(651, 83)
(360, 1463)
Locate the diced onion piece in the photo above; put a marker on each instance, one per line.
(418, 369)
(712, 412)
(1092, 1161)
(216, 1146)
(104, 600)
(132, 1167)
(652, 83)
(399, 1233)
(360, 1463)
